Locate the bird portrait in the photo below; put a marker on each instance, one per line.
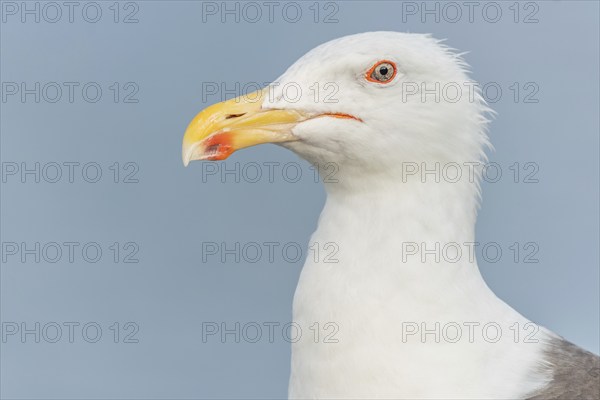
(407, 131)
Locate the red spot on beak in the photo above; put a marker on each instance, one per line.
(218, 146)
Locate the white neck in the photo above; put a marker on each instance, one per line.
(393, 216)
(374, 292)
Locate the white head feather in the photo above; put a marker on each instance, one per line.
(398, 125)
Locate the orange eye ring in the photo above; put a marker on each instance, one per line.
(372, 72)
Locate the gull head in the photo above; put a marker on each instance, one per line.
(367, 102)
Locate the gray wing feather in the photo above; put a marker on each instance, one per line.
(575, 373)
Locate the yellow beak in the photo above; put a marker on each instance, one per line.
(219, 130)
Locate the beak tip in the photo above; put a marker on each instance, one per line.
(187, 153)
(186, 159)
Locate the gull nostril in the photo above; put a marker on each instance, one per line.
(234, 115)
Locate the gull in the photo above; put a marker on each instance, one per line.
(408, 323)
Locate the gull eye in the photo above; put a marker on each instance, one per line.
(382, 72)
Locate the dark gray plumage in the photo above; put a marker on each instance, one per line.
(575, 373)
